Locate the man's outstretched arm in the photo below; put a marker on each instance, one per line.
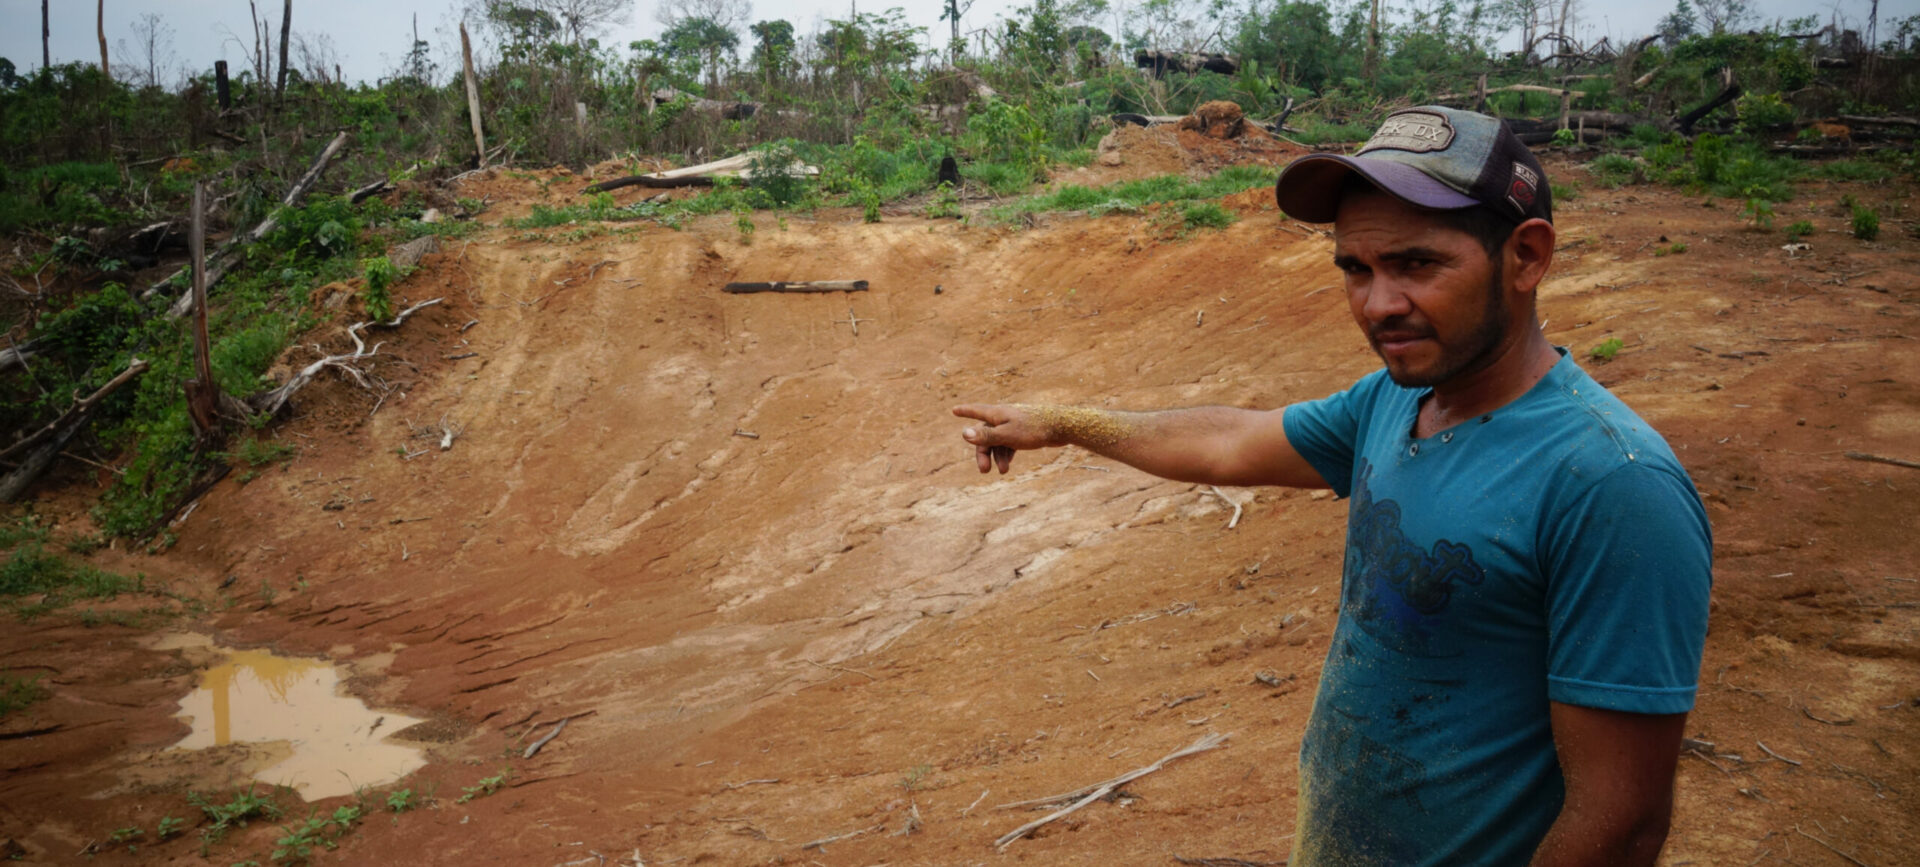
(1619, 772)
(1215, 445)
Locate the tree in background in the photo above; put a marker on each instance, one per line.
(1724, 15)
(709, 27)
(152, 52)
(1678, 25)
(773, 46)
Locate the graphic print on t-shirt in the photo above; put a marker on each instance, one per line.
(1395, 589)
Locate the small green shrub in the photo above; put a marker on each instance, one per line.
(380, 274)
(486, 786)
(1757, 210)
(1606, 349)
(1564, 137)
(1799, 229)
(1760, 112)
(1614, 170)
(945, 203)
(235, 813)
(1709, 157)
(1564, 192)
(400, 800)
(18, 692)
(1206, 215)
(1866, 223)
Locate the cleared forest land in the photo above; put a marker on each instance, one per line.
(737, 541)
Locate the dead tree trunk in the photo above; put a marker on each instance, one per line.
(203, 399)
(1685, 122)
(473, 99)
(41, 448)
(222, 88)
(286, 26)
(223, 260)
(46, 55)
(100, 21)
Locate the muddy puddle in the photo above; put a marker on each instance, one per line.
(328, 742)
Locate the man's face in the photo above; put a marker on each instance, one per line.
(1430, 300)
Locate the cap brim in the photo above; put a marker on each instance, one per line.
(1309, 189)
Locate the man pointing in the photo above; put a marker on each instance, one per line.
(1524, 596)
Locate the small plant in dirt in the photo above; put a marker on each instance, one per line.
(945, 203)
(1866, 223)
(401, 800)
(1757, 210)
(915, 778)
(1614, 170)
(486, 786)
(1564, 192)
(1565, 137)
(743, 220)
(777, 182)
(1206, 215)
(1799, 229)
(1606, 349)
(242, 808)
(16, 693)
(381, 274)
(1673, 249)
(303, 838)
(169, 827)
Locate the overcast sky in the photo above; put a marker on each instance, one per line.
(372, 35)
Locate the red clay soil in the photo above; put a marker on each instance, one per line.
(749, 543)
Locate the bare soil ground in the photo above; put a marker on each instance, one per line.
(750, 543)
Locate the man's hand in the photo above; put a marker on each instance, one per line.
(1007, 428)
(1619, 773)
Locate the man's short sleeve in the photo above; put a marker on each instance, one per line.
(1629, 565)
(1327, 432)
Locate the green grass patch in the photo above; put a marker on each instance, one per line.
(1131, 196)
(32, 570)
(16, 693)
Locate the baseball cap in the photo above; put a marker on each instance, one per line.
(1429, 156)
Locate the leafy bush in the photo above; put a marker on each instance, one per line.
(1606, 349)
(1206, 215)
(1614, 170)
(380, 274)
(1799, 229)
(775, 178)
(1866, 223)
(1760, 112)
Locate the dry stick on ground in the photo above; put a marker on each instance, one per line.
(1097, 791)
(1764, 748)
(1883, 459)
(44, 445)
(271, 402)
(1227, 862)
(536, 745)
(816, 844)
(1235, 521)
(1830, 847)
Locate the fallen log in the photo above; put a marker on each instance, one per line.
(227, 256)
(1887, 120)
(372, 189)
(1685, 122)
(1162, 62)
(648, 181)
(798, 286)
(44, 445)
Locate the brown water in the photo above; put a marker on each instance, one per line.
(337, 742)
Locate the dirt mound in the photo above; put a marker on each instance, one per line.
(1217, 119)
(1215, 136)
(741, 546)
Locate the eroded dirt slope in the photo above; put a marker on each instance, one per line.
(747, 542)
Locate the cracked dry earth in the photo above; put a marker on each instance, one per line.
(747, 546)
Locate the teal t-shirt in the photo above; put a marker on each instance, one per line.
(1553, 550)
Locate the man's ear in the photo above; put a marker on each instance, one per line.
(1529, 253)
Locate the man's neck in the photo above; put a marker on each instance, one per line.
(1516, 366)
